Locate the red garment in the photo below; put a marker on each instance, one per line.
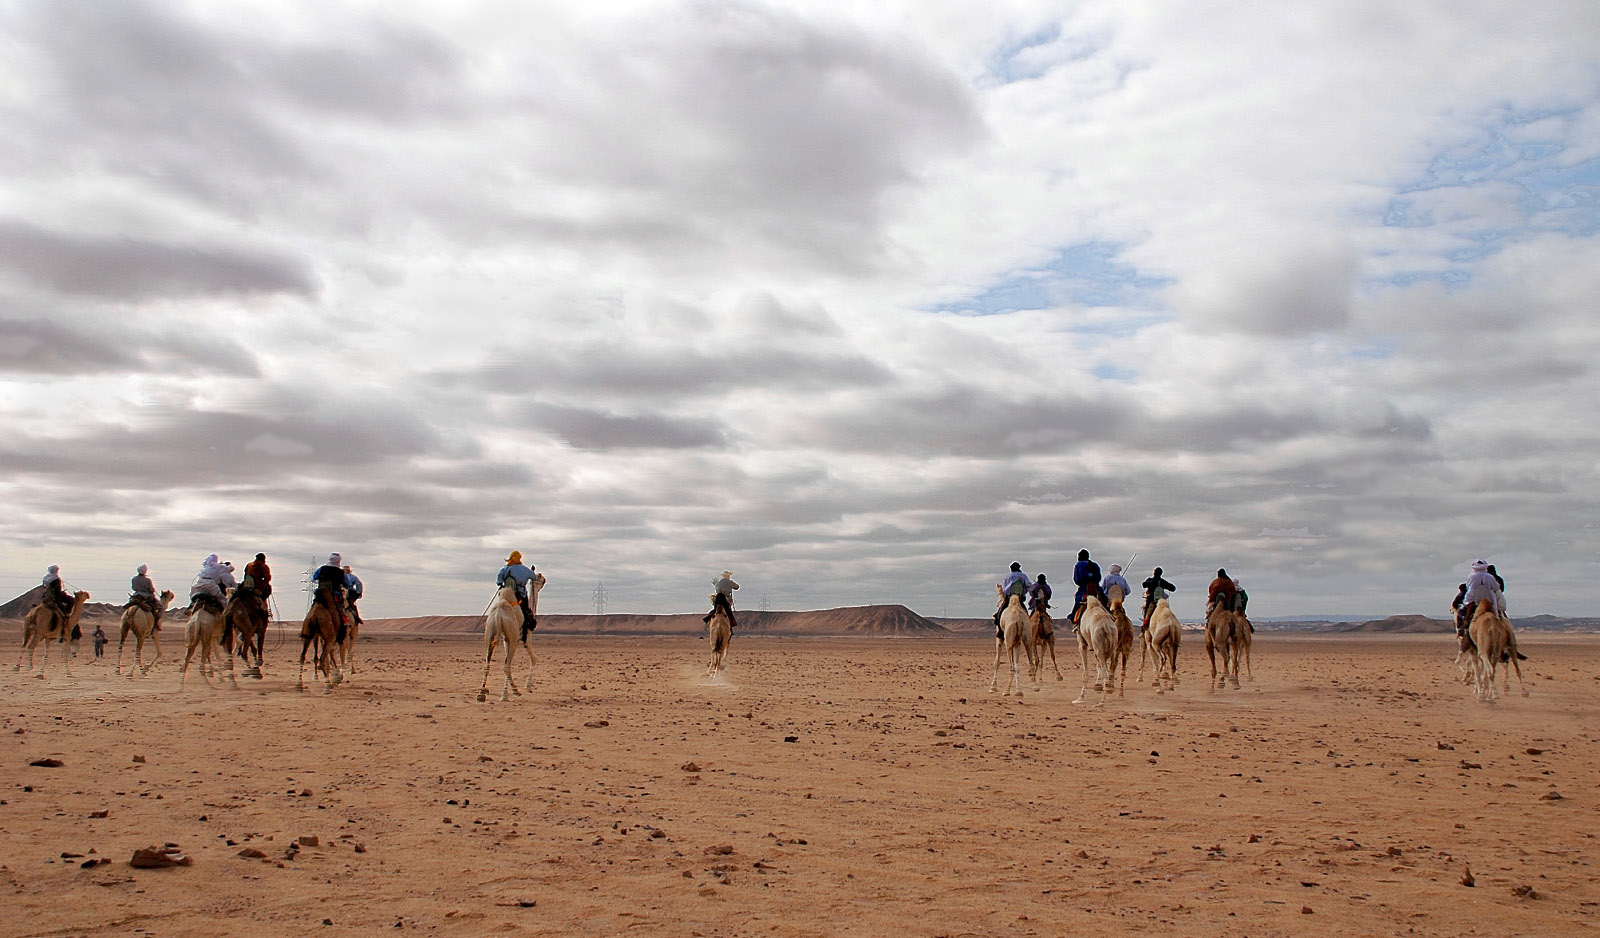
(1221, 586)
(260, 572)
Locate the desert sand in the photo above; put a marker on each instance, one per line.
(821, 787)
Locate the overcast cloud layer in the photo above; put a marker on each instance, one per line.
(863, 303)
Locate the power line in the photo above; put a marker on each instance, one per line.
(599, 595)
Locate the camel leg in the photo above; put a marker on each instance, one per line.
(488, 661)
(510, 686)
(1053, 663)
(1016, 671)
(335, 676)
(1211, 652)
(994, 677)
(188, 655)
(305, 645)
(529, 649)
(121, 641)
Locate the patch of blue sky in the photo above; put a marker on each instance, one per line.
(1034, 54)
(1083, 275)
(1516, 151)
(1106, 371)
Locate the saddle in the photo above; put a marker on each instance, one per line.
(200, 601)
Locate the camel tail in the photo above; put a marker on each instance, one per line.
(717, 646)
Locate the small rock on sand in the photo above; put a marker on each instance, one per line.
(151, 858)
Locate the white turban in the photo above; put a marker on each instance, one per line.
(334, 560)
(143, 569)
(53, 569)
(1116, 568)
(1480, 566)
(210, 561)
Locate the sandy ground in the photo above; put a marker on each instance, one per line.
(823, 787)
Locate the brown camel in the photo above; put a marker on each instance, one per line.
(719, 634)
(1097, 636)
(1044, 639)
(347, 642)
(321, 626)
(246, 617)
(1013, 639)
(45, 623)
(1124, 647)
(1162, 638)
(1495, 644)
(142, 623)
(1221, 639)
(500, 626)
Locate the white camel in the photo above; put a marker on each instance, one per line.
(1097, 636)
(142, 623)
(204, 632)
(500, 627)
(1012, 640)
(45, 623)
(1162, 639)
(1123, 649)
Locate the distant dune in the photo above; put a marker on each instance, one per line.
(17, 608)
(851, 620)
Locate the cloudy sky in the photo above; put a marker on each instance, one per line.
(863, 301)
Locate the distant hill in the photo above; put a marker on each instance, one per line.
(17, 608)
(852, 620)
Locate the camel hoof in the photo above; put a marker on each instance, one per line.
(504, 698)
(482, 696)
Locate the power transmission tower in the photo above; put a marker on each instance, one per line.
(766, 604)
(599, 595)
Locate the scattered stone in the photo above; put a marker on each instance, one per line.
(1393, 851)
(1467, 880)
(139, 759)
(720, 850)
(658, 834)
(1445, 746)
(308, 841)
(359, 847)
(152, 858)
(251, 853)
(48, 763)
(690, 767)
(791, 739)
(596, 724)
(1551, 796)
(485, 758)
(526, 903)
(305, 793)
(1524, 891)
(1534, 752)
(93, 862)
(1082, 854)
(688, 874)
(1305, 910)
(68, 855)
(104, 812)
(1254, 839)
(1469, 765)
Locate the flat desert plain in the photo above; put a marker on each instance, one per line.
(822, 787)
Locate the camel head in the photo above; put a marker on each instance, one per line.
(1114, 597)
(167, 596)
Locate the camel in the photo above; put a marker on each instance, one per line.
(142, 623)
(44, 623)
(719, 633)
(1044, 639)
(1243, 635)
(500, 625)
(1162, 639)
(204, 632)
(1220, 638)
(347, 642)
(1495, 643)
(321, 626)
(1124, 646)
(1097, 636)
(1013, 638)
(246, 615)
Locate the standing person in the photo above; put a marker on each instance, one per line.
(329, 579)
(519, 575)
(212, 583)
(1039, 595)
(1115, 578)
(1156, 589)
(723, 598)
(1220, 590)
(99, 642)
(352, 592)
(1086, 574)
(1014, 584)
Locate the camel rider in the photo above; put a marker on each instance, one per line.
(257, 578)
(1155, 589)
(211, 585)
(144, 593)
(329, 580)
(1086, 574)
(1015, 584)
(723, 598)
(352, 593)
(1115, 578)
(1456, 606)
(1039, 596)
(1241, 599)
(1220, 590)
(1481, 585)
(55, 594)
(1499, 580)
(519, 575)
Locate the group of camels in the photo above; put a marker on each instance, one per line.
(1105, 637)
(239, 629)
